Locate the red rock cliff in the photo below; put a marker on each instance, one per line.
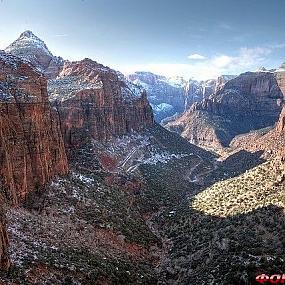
(31, 146)
(4, 242)
(280, 127)
(96, 102)
(248, 102)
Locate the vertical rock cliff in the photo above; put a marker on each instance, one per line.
(251, 101)
(31, 146)
(94, 101)
(4, 242)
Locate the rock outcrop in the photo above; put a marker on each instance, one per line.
(94, 101)
(4, 241)
(172, 96)
(269, 140)
(250, 101)
(166, 95)
(31, 145)
(29, 47)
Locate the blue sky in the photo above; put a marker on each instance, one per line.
(199, 39)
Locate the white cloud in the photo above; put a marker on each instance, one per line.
(222, 61)
(61, 35)
(244, 59)
(196, 56)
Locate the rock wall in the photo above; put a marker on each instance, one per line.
(31, 145)
(255, 94)
(96, 102)
(248, 102)
(4, 241)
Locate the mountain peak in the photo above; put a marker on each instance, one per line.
(31, 48)
(27, 40)
(282, 66)
(27, 34)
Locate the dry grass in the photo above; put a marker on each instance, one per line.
(252, 190)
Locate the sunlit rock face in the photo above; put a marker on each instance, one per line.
(31, 145)
(250, 101)
(96, 102)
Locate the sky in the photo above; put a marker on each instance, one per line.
(199, 39)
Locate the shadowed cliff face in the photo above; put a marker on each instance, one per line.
(270, 140)
(31, 146)
(96, 102)
(4, 242)
(281, 122)
(250, 101)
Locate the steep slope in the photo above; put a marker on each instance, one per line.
(29, 47)
(172, 96)
(31, 146)
(96, 226)
(94, 101)
(250, 101)
(271, 139)
(166, 95)
(230, 232)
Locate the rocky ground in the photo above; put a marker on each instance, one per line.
(129, 213)
(96, 226)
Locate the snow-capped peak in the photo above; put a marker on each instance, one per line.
(28, 40)
(27, 34)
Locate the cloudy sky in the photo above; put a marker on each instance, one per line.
(200, 39)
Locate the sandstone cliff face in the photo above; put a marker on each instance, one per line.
(31, 146)
(172, 96)
(96, 102)
(280, 127)
(248, 102)
(270, 140)
(255, 93)
(4, 241)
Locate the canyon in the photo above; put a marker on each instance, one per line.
(248, 102)
(169, 97)
(95, 191)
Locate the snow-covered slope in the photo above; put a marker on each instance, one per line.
(31, 48)
(174, 95)
(166, 95)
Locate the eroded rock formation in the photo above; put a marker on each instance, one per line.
(31, 146)
(271, 139)
(94, 101)
(250, 101)
(29, 47)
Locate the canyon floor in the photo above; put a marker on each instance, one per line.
(151, 208)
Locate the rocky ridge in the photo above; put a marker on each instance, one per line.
(247, 102)
(172, 96)
(94, 101)
(31, 48)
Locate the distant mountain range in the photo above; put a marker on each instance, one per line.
(172, 96)
(167, 96)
